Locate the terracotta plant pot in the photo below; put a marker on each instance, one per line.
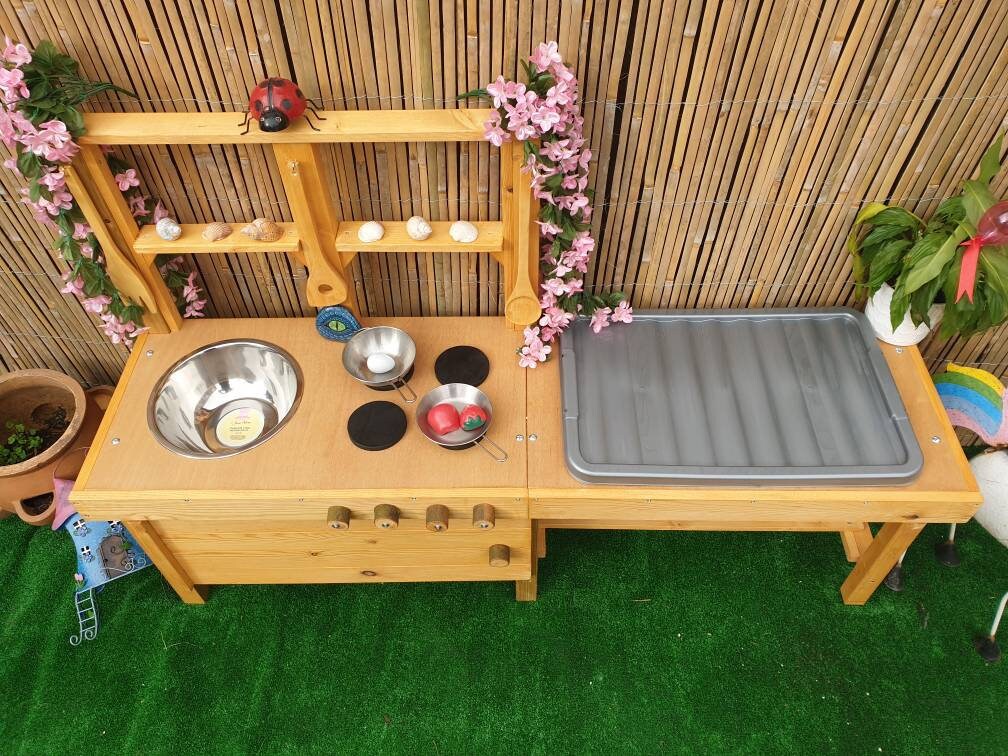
(907, 334)
(27, 396)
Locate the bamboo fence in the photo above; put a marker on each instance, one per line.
(733, 141)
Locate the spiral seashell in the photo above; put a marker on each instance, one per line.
(371, 231)
(262, 229)
(463, 231)
(216, 231)
(168, 229)
(418, 228)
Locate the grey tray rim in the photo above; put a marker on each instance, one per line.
(667, 475)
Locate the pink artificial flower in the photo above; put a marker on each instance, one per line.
(600, 319)
(12, 84)
(126, 179)
(97, 304)
(15, 54)
(547, 300)
(160, 212)
(623, 313)
(554, 286)
(61, 154)
(574, 286)
(526, 360)
(81, 230)
(138, 204)
(548, 229)
(555, 318)
(190, 292)
(547, 54)
(53, 180)
(73, 286)
(87, 251)
(11, 165)
(195, 310)
(37, 142)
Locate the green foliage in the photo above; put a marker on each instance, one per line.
(22, 443)
(921, 260)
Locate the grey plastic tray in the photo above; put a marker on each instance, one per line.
(756, 397)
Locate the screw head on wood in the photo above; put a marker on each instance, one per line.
(935, 439)
(533, 437)
(149, 353)
(519, 438)
(115, 441)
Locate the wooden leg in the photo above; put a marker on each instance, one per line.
(886, 548)
(528, 590)
(164, 560)
(856, 542)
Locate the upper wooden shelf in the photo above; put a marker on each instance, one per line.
(192, 241)
(459, 125)
(491, 238)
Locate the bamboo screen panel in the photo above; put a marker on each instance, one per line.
(734, 142)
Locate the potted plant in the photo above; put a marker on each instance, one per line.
(952, 267)
(46, 419)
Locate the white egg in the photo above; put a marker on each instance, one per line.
(379, 362)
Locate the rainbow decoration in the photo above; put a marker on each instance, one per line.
(974, 399)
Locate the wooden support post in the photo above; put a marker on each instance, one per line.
(528, 590)
(308, 195)
(521, 299)
(94, 189)
(871, 569)
(856, 542)
(165, 561)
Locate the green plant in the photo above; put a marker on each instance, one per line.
(23, 443)
(920, 259)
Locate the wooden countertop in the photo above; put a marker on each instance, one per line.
(312, 455)
(944, 491)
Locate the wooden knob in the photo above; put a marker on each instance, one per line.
(483, 517)
(437, 518)
(386, 516)
(338, 518)
(500, 555)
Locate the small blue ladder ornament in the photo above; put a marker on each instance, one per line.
(336, 323)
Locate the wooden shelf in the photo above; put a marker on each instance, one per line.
(457, 125)
(192, 241)
(490, 239)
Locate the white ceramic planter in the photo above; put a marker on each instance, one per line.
(991, 472)
(907, 334)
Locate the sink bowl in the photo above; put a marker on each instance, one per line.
(224, 399)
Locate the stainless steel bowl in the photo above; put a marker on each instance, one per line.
(394, 342)
(224, 398)
(459, 395)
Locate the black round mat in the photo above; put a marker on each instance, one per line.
(462, 364)
(376, 425)
(398, 381)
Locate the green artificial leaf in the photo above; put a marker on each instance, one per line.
(977, 198)
(899, 305)
(29, 164)
(480, 93)
(931, 266)
(990, 163)
(994, 264)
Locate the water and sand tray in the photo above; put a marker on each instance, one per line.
(735, 397)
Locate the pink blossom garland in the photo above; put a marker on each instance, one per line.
(50, 202)
(547, 109)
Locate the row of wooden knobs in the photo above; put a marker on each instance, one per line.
(386, 517)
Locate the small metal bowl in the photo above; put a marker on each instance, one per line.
(458, 395)
(394, 342)
(224, 399)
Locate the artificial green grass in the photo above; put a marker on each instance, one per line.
(639, 643)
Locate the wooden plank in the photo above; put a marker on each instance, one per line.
(166, 562)
(338, 126)
(397, 240)
(191, 242)
(873, 566)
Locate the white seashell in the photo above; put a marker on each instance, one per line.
(418, 228)
(371, 231)
(216, 231)
(168, 229)
(262, 229)
(463, 231)
(379, 362)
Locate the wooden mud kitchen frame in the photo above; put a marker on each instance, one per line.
(307, 506)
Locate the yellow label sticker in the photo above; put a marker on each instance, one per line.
(240, 427)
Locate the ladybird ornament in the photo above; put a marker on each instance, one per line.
(276, 102)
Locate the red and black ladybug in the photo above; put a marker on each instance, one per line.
(276, 102)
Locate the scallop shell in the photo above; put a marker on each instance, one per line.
(216, 231)
(262, 229)
(418, 228)
(463, 231)
(371, 231)
(168, 229)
